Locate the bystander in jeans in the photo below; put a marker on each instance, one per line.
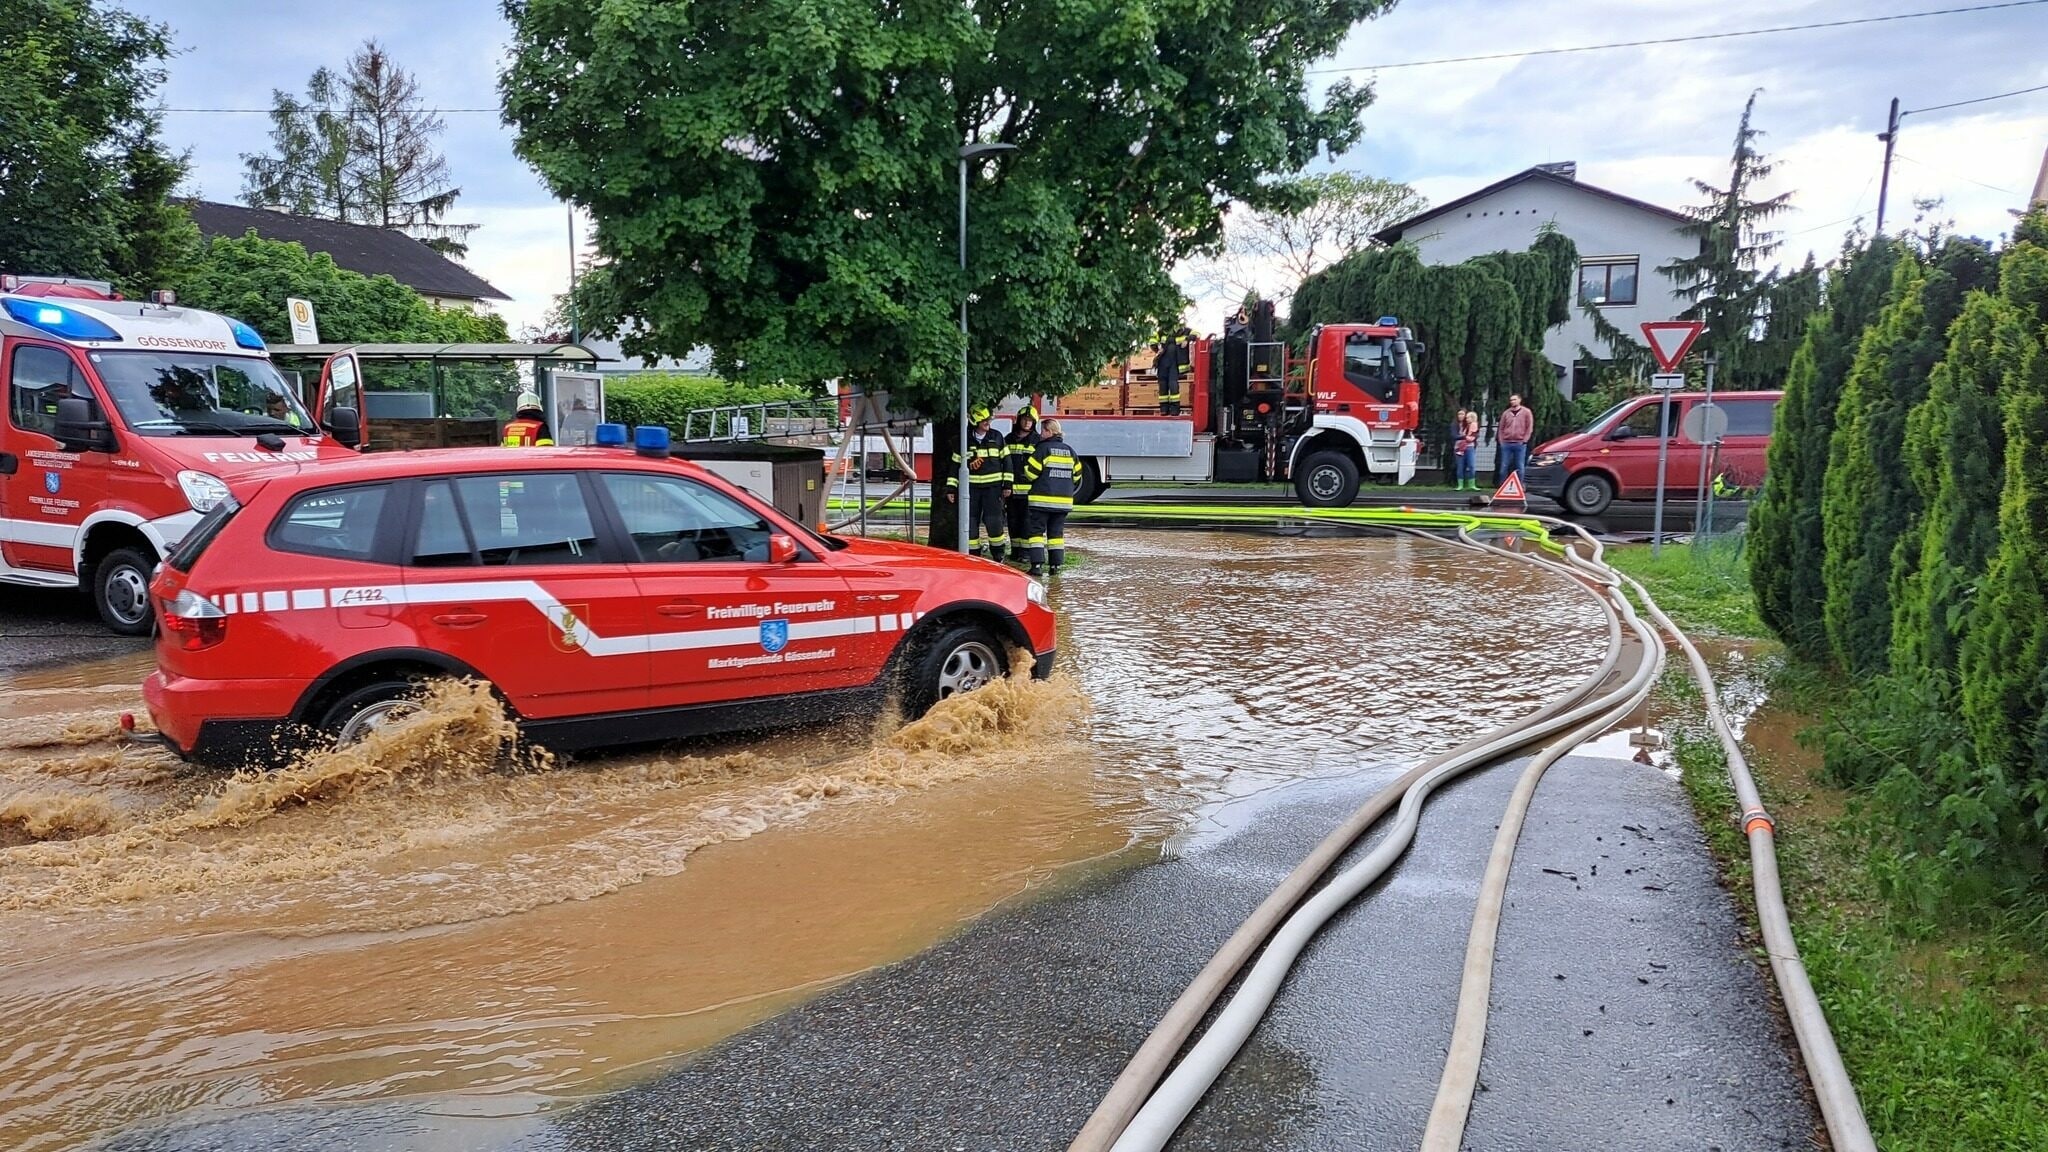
(1466, 450)
(1512, 434)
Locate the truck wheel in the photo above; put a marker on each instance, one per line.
(959, 659)
(353, 717)
(1090, 485)
(1588, 494)
(1327, 480)
(120, 590)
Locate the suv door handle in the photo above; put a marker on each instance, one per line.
(460, 619)
(682, 609)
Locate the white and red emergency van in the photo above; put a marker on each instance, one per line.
(125, 421)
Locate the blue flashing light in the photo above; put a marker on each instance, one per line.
(651, 440)
(58, 321)
(246, 336)
(1390, 322)
(610, 436)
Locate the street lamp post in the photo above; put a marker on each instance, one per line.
(962, 500)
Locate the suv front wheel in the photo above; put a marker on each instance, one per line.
(960, 658)
(1588, 494)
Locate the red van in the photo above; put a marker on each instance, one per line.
(1614, 457)
(125, 422)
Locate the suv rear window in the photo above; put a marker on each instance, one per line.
(504, 518)
(187, 552)
(336, 522)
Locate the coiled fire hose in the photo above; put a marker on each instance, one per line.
(1134, 1117)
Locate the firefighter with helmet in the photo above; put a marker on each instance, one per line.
(1053, 472)
(528, 427)
(988, 484)
(1022, 441)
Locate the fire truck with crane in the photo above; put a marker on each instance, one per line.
(1242, 407)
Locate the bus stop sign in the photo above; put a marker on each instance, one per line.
(1670, 340)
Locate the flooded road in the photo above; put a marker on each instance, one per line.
(412, 919)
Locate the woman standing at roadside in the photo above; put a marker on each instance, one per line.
(1467, 449)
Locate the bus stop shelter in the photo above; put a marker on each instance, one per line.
(453, 395)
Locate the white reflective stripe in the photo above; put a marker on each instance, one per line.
(46, 533)
(888, 623)
(308, 598)
(275, 601)
(248, 602)
(908, 619)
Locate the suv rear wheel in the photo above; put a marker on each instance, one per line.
(960, 658)
(353, 717)
(120, 590)
(1588, 494)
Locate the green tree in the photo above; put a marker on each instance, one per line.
(1786, 550)
(84, 179)
(1955, 450)
(1271, 253)
(1790, 302)
(1724, 284)
(777, 179)
(1870, 504)
(360, 148)
(249, 278)
(311, 173)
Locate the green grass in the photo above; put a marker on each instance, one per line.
(1942, 1019)
(1705, 590)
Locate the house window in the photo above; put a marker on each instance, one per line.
(1608, 282)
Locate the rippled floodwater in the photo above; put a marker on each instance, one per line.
(413, 920)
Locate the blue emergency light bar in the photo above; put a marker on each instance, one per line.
(650, 440)
(609, 436)
(246, 336)
(1390, 322)
(59, 321)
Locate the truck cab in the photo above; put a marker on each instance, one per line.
(125, 421)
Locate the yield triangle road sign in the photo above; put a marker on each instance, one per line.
(1670, 340)
(1511, 489)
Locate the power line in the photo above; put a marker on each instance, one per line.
(1958, 176)
(1978, 100)
(1682, 39)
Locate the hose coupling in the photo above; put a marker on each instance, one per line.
(1755, 818)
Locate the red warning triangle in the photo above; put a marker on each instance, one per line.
(1511, 489)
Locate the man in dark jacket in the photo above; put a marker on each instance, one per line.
(1022, 442)
(1053, 473)
(988, 482)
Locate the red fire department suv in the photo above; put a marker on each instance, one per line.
(125, 421)
(609, 596)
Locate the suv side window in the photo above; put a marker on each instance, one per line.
(39, 378)
(336, 522)
(672, 520)
(1748, 417)
(527, 518)
(442, 540)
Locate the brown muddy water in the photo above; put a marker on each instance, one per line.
(414, 918)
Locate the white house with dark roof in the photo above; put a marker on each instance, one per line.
(1621, 241)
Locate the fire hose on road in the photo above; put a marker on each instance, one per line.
(1146, 1104)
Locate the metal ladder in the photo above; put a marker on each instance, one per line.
(814, 417)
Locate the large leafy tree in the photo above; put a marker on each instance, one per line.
(359, 148)
(1725, 285)
(84, 180)
(1271, 253)
(249, 277)
(776, 178)
(1785, 521)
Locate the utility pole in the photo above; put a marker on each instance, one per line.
(575, 329)
(1890, 136)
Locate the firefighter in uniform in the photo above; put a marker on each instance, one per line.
(1022, 441)
(1053, 473)
(988, 484)
(529, 426)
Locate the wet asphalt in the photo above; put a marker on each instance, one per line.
(42, 627)
(1629, 1011)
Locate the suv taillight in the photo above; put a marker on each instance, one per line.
(193, 622)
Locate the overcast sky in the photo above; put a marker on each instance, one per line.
(1641, 121)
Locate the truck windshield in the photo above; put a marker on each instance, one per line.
(195, 394)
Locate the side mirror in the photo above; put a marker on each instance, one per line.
(781, 549)
(1621, 432)
(1417, 348)
(346, 426)
(79, 427)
